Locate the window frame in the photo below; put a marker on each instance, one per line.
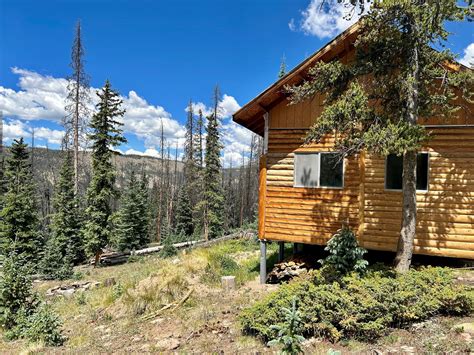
(318, 186)
(427, 175)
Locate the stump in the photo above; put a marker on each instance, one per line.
(228, 283)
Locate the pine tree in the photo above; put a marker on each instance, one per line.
(375, 102)
(282, 71)
(184, 214)
(132, 220)
(64, 247)
(19, 223)
(213, 194)
(77, 102)
(106, 134)
(3, 187)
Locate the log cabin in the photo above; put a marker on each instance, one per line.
(304, 197)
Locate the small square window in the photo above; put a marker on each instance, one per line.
(394, 172)
(318, 170)
(306, 170)
(331, 170)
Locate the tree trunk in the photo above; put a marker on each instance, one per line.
(407, 233)
(97, 258)
(408, 229)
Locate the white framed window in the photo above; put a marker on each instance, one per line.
(323, 169)
(394, 172)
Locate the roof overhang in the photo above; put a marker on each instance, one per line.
(251, 115)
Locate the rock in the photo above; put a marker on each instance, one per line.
(465, 327)
(228, 283)
(168, 344)
(407, 349)
(466, 337)
(145, 347)
(157, 321)
(109, 282)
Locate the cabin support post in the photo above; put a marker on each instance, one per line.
(281, 251)
(263, 262)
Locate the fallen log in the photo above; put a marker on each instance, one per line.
(110, 258)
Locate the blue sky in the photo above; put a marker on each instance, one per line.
(158, 54)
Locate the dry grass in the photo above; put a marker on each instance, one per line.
(97, 319)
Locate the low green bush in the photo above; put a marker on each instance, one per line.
(43, 326)
(218, 265)
(345, 254)
(361, 307)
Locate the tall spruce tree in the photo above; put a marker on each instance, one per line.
(64, 247)
(184, 214)
(375, 102)
(213, 192)
(132, 219)
(106, 133)
(19, 222)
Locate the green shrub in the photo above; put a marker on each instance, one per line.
(288, 334)
(44, 326)
(22, 314)
(345, 255)
(361, 307)
(219, 264)
(169, 249)
(16, 291)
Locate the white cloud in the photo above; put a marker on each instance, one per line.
(52, 136)
(326, 20)
(235, 138)
(14, 129)
(42, 97)
(39, 97)
(145, 120)
(468, 58)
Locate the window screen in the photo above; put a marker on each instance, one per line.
(331, 170)
(318, 170)
(394, 172)
(306, 170)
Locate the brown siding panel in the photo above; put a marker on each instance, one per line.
(445, 211)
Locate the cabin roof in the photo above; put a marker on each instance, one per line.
(251, 114)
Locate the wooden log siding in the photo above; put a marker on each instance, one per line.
(312, 215)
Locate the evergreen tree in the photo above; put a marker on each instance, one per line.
(64, 247)
(375, 102)
(184, 214)
(106, 133)
(19, 223)
(133, 216)
(213, 194)
(282, 71)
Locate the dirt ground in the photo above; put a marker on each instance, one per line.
(208, 321)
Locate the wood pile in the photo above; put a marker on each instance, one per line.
(290, 269)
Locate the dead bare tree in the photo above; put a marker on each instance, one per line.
(77, 103)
